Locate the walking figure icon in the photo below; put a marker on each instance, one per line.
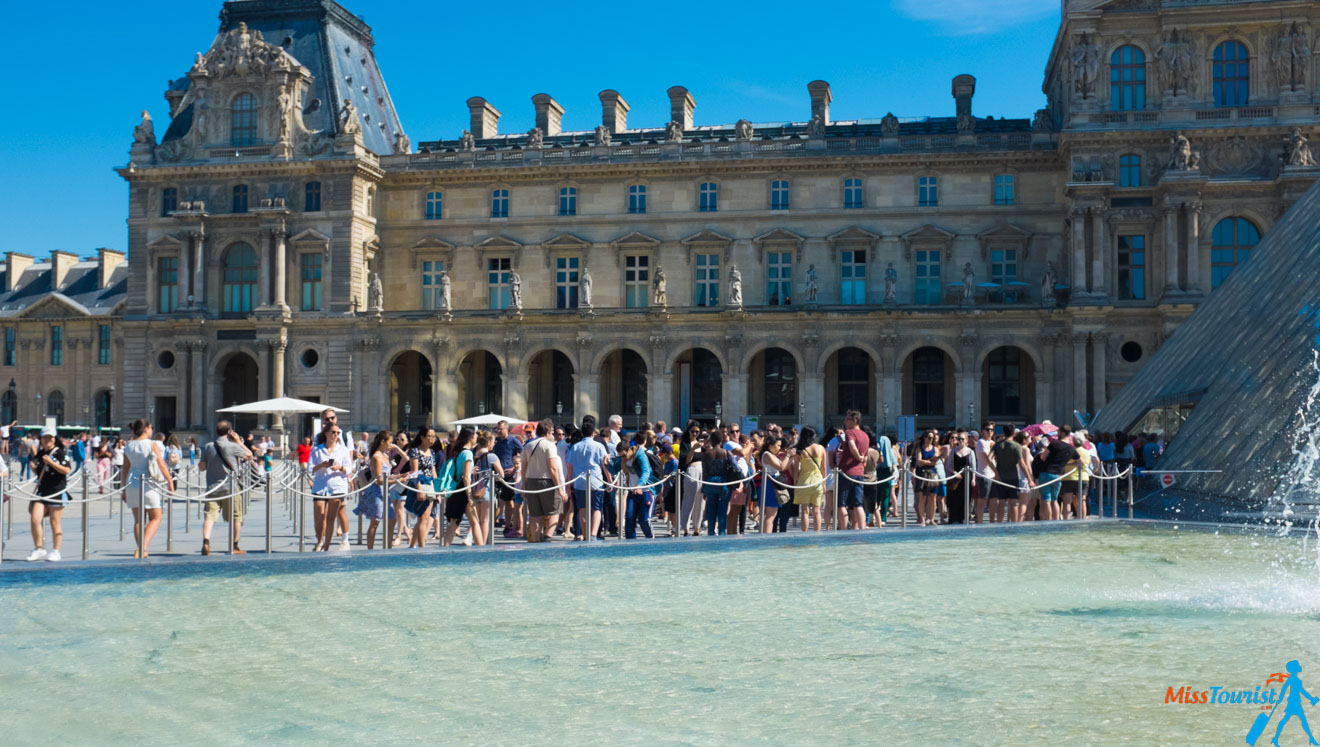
(1293, 691)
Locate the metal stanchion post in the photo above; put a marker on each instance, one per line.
(302, 516)
(270, 500)
(359, 541)
(169, 522)
(491, 499)
(1131, 495)
(187, 503)
(832, 521)
(902, 495)
(141, 524)
(967, 496)
(233, 500)
(765, 485)
(85, 521)
(9, 509)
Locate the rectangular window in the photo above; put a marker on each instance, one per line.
(11, 346)
(852, 271)
(169, 200)
(928, 192)
(566, 282)
(240, 199)
(779, 194)
(708, 280)
(499, 203)
(498, 272)
(1003, 189)
(312, 197)
(103, 344)
(432, 293)
(1132, 267)
(636, 281)
(637, 199)
(309, 272)
(167, 284)
(709, 198)
(568, 201)
(1004, 270)
(852, 194)
(779, 278)
(57, 345)
(1129, 171)
(435, 203)
(929, 288)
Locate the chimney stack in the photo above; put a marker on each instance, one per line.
(963, 87)
(613, 111)
(485, 118)
(107, 261)
(820, 99)
(548, 114)
(15, 265)
(681, 105)
(60, 264)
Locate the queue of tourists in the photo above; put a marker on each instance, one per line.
(544, 481)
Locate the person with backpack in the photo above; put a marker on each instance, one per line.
(717, 470)
(457, 476)
(421, 499)
(635, 468)
(542, 472)
(479, 503)
(588, 472)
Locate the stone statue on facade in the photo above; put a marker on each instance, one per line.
(673, 132)
(1043, 122)
(515, 291)
(349, 124)
(966, 124)
(1299, 153)
(535, 138)
(145, 131)
(1047, 282)
(742, 130)
(816, 127)
(603, 135)
(891, 285)
(1181, 155)
(813, 287)
(735, 288)
(1289, 58)
(401, 144)
(584, 289)
(889, 125)
(1085, 56)
(446, 302)
(241, 51)
(1176, 63)
(376, 294)
(659, 288)
(968, 285)
(466, 141)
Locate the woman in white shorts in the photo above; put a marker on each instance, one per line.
(139, 453)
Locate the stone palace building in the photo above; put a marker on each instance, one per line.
(286, 237)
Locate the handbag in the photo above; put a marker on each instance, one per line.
(153, 465)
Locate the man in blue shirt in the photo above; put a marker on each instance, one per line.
(508, 450)
(588, 473)
(1151, 452)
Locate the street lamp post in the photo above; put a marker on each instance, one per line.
(802, 413)
(481, 407)
(719, 410)
(407, 416)
(559, 408)
(637, 410)
(971, 415)
(40, 412)
(886, 423)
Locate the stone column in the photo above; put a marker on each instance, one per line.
(515, 395)
(658, 405)
(1193, 248)
(199, 271)
(1170, 249)
(587, 389)
(1042, 397)
(277, 363)
(1101, 256)
(185, 271)
(811, 392)
(444, 397)
(1078, 270)
(1099, 354)
(267, 269)
(734, 397)
(281, 268)
(198, 354)
(1079, 371)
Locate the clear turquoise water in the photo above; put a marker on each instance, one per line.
(1059, 636)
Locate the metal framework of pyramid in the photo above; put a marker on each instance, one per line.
(1239, 369)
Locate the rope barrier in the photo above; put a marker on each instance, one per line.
(885, 481)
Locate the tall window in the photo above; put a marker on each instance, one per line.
(708, 197)
(498, 272)
(432, 293)
(1004, 381)
(779, 278)
(240, 198)
(9, 407)
(169, 200)
(929, 288)
(852, 194)
(243, 121)
(11, 348)
(779, 194)
(103, 402)
(1231, 74)
(103, 345)
(1003, 189)
(1131, 267)
(1004, 270)
(852, 271)
(499, 203)
(928, 191)
(1230, 245)
(854, 374)
(928, 381)
(1127, 79)
(167, 284)
(55, 406)
(636, 281)
(1129, 170)
(637, 199)
(780, 382)
(708, 280)
(309, 272)
(568, 200)
(566, 282)
(240, 278)
(312, 197)
(435, 205)
(57, 345)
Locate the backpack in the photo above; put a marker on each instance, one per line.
(657, 466)
(716, 492)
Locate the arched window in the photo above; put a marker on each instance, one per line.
(55, 406)
(1129, 170)
(1004, 382)
(928, 381)
(103, 402)
(1231, 74)
(780, 382)
(9, 407)
(1127, 79)
(240, 278)
(243, 121)
(1230, 245)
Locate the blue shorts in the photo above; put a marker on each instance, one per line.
(597, 500)
(850, 493)
(1049, 492)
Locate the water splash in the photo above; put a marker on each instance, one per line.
(1300, 488)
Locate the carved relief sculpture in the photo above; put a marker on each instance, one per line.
(1181, 155)
(1175, 54)
(1289, 58)
(1085, 56)
(743, 130)
(349, 124)
(1299, 153)
(735, 287)
(659, 288)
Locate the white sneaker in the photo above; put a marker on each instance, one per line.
(38, 554)
(53, 556)
(343, 546)
(467, 540)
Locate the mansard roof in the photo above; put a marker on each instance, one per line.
(80, 292)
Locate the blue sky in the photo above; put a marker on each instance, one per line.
(76, 92)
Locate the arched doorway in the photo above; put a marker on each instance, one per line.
(410, 391)
(849, 385)
(1008, 386)
(623, 387)
(238, 386)
(928, 388)
(772, 381)
(55, 406)
(480, 385)
(698, 383)
(550, 387)
(104, 400)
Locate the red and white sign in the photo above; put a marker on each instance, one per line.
(1167, 480)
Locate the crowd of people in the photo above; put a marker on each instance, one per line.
(544, 481)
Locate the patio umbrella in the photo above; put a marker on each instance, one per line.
(1041, 429)
(487, 420)
(280, 407)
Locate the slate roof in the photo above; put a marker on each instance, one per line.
(79, 292)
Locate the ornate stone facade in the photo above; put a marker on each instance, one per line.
(1082, 240)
